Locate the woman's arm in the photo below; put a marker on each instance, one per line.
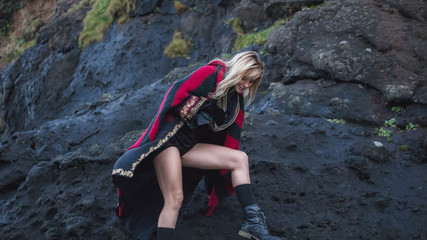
(192, 92)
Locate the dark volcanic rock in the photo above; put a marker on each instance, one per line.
(143, 7)
(359, 47)
(336, 137)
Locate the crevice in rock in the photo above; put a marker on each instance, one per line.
(73, 144)
(13, 186)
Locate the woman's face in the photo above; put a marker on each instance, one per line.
(249, 78)
(243, 84)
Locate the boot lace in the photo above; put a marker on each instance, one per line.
(263, 218)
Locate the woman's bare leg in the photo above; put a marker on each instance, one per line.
(210, 156)
(169, 176)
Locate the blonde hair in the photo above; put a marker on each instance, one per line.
(246, 64)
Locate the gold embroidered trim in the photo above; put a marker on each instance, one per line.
(196, 108)
(192, 112)
(160, 143)
(122, 172)
(188, 106)
(129, 173)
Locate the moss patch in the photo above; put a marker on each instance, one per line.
(180, 7)
(234, 23)
(179, 47)
(260, 38)
(101, 17)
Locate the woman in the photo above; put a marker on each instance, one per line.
(195, 133)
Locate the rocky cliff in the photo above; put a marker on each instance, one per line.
(337, 136)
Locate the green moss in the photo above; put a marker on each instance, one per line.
(340, 121)
(78, 6)
(390, 123)
(259, 38)
(193, 64)
(410, 126)
(397, 109)
(120, 9)
(19, 49)
(404, 147)
(101, 17)
(180, 7)
(234, 23)
(96, 22)
(178, 47)
(263, 53)
(383, 132)
(226, 56)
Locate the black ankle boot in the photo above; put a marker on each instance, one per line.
(165, 233)
(254, 225)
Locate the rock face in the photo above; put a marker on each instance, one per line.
(371, 43)
(336, 137)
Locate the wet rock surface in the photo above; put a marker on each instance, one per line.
(336, 137)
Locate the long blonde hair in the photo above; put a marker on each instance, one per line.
(245, 64)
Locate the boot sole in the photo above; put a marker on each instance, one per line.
(247, 235)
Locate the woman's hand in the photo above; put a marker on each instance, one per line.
(210, 107)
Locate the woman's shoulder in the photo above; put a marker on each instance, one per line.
(214, 67)
(216, 63)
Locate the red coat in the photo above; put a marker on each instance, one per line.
(186, 95)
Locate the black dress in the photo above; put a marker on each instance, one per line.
(141, 209)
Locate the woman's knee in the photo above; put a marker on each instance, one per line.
(241, 159)
(174, 200)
